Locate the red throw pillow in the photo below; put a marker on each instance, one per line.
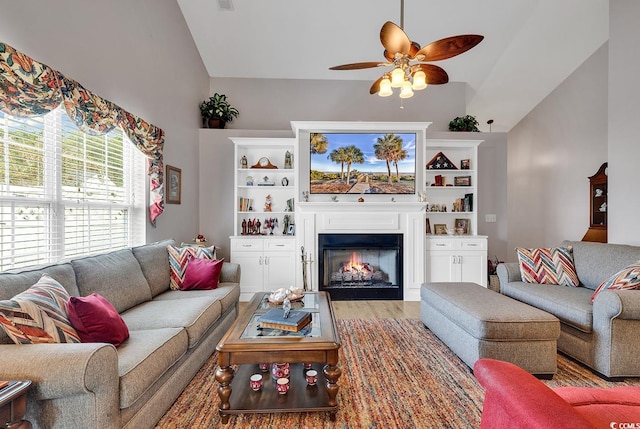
(96, 320)
(202, 274)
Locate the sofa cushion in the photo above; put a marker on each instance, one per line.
(96, 320)
(596, 262)
(145, 357)
(202, 274)
(196, 315)
(14, 281)
(38, 315)
(116, 275)
(179, 258)
(548, 266)
(154, 262)
(227, 293)
(627, 279)
(571, 305)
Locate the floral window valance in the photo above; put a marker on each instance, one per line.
(29, 88)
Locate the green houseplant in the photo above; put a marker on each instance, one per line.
(217, 112)
(464, 123)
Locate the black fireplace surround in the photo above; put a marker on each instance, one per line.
(360, 266)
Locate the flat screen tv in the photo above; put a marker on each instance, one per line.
(362, 163)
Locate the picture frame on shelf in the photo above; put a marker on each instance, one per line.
(427, 226)
(440, 229)
(462, 226)
(465, 164)
(462, 181)
(291, 230)
(174, 182)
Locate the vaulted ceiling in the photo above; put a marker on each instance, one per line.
(530, 46)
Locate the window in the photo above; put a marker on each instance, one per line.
(64, 193)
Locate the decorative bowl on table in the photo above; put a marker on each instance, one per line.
(279, 295)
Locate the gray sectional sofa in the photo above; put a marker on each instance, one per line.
(95, 385)
(602, 335)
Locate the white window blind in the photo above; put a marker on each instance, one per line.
(64, 193)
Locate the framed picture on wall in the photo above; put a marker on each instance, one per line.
(174, 185)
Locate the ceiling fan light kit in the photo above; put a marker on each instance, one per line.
(411, 71)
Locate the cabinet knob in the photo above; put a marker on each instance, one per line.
(266, 260)
(260, 260)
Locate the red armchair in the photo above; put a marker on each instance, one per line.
(516, 399)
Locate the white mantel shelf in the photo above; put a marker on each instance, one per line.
(371, 206)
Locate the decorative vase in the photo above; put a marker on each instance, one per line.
(217, 123)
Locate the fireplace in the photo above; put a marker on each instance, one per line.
(360, 266)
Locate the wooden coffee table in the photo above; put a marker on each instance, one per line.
(247, 346)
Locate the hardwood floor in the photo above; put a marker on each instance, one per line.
(372, 309)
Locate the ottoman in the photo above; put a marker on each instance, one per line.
(475, 322)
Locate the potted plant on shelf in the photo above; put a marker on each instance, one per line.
(464, 123)
(217, 112)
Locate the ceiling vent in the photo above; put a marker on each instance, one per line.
(225, 4)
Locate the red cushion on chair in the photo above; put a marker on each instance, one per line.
(202, 274)
(96, 320)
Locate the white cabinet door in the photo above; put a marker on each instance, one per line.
(440, 267)
(252, 273)
(473, 267)
(279, 270)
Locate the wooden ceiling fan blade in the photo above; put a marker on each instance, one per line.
(448, 47)
(435, 75)
(394, 39)
(358, 66)
(376, 86)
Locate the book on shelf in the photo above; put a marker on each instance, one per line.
(3, 384)
(245, 204)
(274, 319)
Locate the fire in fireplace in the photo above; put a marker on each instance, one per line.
(360, 266)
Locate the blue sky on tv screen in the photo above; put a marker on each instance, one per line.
(365, 142)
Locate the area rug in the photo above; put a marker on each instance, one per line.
(395, 374)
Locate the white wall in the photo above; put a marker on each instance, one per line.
(271, 104)
(147, 63)
(551, 154)
(624, 111)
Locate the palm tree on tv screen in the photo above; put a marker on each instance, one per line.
(389, 149)
(353, 156)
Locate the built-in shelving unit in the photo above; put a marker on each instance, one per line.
(454, 251)
(265, 173)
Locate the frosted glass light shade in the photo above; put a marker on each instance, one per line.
(385, 87)
(397, 77)
(419, 80)
(406, 91)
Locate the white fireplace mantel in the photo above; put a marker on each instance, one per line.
(373, 217)
(374, 206)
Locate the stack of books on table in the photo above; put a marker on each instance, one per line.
(274, 319)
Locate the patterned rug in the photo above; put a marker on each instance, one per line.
(395, 374)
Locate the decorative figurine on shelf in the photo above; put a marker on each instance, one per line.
(243, 162)
(267, 203)
(244, 227)
(285, 220)
(334, 198)
(249, 181)
(290, 205)
(256, 229)
(288, 160)
(200, 240)
(305, 196)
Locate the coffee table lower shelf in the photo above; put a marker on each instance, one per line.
(300, 398)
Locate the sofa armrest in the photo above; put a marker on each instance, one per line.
(61, 370)
(621, 304)
(516, 399)
(508, 272)
(230, 273)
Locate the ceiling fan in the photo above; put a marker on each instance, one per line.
(409, 61)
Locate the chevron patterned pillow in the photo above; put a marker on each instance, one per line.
(626, 279)
(548, 266)
(179, 257)
(38, 315)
